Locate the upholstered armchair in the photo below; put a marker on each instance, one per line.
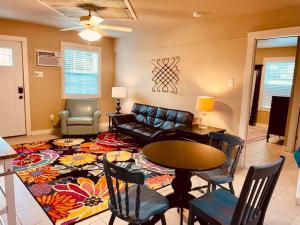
(80, 117)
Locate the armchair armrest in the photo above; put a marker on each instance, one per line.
(64, 114)
(124, 118)
(164, 132)
(96, 115)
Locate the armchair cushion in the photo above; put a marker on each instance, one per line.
(80, 120)
(82, 107)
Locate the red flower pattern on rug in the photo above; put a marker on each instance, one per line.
(67, 179)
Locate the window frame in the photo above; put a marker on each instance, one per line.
(84, 48)
(262, 82)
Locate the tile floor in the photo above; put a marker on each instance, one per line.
(282, 209)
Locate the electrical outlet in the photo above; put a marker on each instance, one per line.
(52, 117)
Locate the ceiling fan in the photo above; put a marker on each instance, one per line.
(93, 30)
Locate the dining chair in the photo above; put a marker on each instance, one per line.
(232, 146)
(220, 207)
(130, 200)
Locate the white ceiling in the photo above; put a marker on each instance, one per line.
(277, 42)
(151, 13)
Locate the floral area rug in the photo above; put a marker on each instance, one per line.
(66, 176)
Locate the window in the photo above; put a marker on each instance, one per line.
(278, 79)
(81, 71)
(6, 57)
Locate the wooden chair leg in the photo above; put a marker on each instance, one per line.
(231, 188)
(163, 219)
(208, 188)
(191, 216)
(214, 187)
(112, 219)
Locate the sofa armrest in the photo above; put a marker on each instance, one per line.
(123, 118)
(164, 132)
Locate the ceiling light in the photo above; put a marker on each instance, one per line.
(90, 35)
(197, 14)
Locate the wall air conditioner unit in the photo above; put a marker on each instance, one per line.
(48, 58)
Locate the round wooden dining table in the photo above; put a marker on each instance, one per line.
(183, 157)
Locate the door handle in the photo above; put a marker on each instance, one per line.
(20, 90)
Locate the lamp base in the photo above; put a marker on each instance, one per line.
(118, 107)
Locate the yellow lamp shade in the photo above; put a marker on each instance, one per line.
(205, 103)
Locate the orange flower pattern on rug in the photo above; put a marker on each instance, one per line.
(57, 205)
(39, 175)
(66, 176)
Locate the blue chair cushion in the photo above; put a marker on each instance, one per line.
(297, 156)
(80, 120)
(219, 206)
(151, 203)
(216, 176)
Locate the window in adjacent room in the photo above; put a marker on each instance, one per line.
(277, 79)
(80, 71)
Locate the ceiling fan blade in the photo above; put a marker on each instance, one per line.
(72, 28)
(100, 31)
(108, 27)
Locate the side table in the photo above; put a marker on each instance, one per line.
(194, 133)
(110, 116)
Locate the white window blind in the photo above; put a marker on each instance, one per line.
(81, 73)
(278, 80)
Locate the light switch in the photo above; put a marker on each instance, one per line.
(230, 82)
(38, 74)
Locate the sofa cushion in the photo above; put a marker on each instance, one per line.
(144, 113)
(80, 120)
(170, 118)
(145, 131)
(130, 126)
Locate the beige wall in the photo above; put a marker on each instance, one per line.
(212, 51)
(45, 93)
(261, 53)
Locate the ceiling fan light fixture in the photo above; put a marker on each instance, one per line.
(90, 35)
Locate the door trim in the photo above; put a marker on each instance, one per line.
(248, 71)
(23, 41)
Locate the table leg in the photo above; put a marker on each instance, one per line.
(10, 193)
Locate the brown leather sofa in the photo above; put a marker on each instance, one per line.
(148, 123)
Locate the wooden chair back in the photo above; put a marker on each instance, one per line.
(118, 180)
(256, 193)
(228, 143)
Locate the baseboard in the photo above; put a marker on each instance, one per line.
(261, 125)
(45, 131)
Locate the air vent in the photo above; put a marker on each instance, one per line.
(48, 58)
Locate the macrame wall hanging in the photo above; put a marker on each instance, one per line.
(165, 74)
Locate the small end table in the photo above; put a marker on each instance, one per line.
(110, 123)
(194, 133)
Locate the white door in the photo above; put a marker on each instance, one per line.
(12, 111)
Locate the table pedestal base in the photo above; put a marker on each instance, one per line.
(180, 198)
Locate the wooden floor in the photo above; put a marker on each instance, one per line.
(282, 209)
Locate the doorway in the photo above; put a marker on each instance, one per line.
(272, 82)
(12, 95)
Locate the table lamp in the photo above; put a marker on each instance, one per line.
(118, 92)
(205, 104)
